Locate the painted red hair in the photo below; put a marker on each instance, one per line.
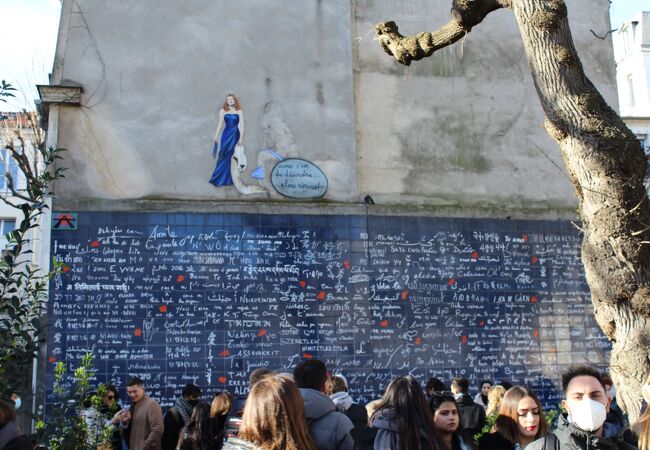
(237, 104)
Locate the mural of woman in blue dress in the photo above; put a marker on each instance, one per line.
(231, 121)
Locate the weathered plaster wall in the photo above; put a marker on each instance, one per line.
(457, 132)
(155, 76)
(463, 127)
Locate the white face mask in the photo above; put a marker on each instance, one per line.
(18, 403)
(587, 414)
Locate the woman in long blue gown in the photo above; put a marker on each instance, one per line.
(231, 120)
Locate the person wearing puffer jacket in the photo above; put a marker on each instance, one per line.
(329, 428)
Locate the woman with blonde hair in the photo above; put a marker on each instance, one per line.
(274, 418)
(495, 396)
(520, 422)
(219, 410)
(641, 429)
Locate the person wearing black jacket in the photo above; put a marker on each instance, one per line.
(472, 416)
(179, 415)
(362, 434)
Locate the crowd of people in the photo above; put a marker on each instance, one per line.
(310, 409)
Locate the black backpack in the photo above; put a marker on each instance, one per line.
(551, 442)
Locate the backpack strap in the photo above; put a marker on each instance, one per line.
(551, 442)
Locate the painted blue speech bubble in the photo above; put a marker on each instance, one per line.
(297, 178)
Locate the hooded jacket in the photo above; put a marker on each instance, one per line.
(387, 433)
(569, 437)
(329, 428)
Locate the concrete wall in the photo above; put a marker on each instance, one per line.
(464, 126)
(155, 77)
(458, 131)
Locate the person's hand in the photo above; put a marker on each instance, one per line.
(125, 417)
(116, 418)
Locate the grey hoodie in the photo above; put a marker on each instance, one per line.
(329, 429)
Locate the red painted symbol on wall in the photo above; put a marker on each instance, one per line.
(302, 283)
(307, 355)
(95, 244)
(222, 380)
(321, 295)
(180, 278)
(534, 259)
(464, 339)
(261, 333)
(52, 359)
(482, 323)
(536, 333)
(225, 353)
(66, 269)
(405, 295)
(418, 340)
(451, 281)
(162, 308)
(533, 299)
(474, 255)
(137, 332)
(383, 323)
(524, 237)
(347, 265)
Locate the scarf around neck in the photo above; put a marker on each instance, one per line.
(184, 409)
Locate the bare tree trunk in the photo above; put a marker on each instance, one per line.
(606, 165)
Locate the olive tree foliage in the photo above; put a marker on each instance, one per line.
(23, 289)
(603, 158)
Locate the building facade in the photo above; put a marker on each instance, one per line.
(386, 219)
(632, 53)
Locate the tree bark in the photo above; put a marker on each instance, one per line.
(607, 167)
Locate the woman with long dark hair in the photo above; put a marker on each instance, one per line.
(197, 434)
(520, 422)
(274, 418)
(446, 420)
(403, 418)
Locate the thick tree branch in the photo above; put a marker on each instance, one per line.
(465, 15)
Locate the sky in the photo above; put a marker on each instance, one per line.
(29, 30)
